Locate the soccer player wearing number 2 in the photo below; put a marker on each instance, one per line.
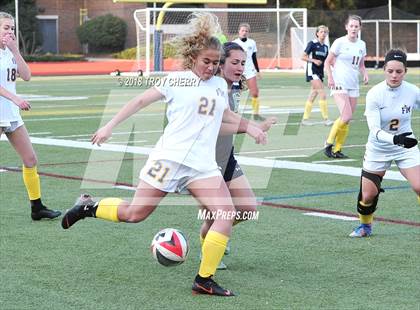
(389, 106)
(13, 65)
(347, 57)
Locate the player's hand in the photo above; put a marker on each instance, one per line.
(365, 78)
(266, 125)
(404, 141)
(10, 42)
(317, 62)
(257, 133)
(101, 135)
(331, 83)
(259, 77)
(22, 104)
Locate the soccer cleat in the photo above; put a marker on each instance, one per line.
(328, 122)
(210, 287)
(364, 230)
(306, 122)
(82, 208)
(227, 250)
(222, 266)
(44, 213)
(258, 117)
(328, 150)
(339, 155)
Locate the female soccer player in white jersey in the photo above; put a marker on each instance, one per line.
(315, 54)
(347, 57)
(12, 66)
(251, 66)
(184, 156)
(389, 106)
(232, 65)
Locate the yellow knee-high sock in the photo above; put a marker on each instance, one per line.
(32, 182)
(255, 105)
(333, 131)
(108, 209)
(365, 219)
(324, 108)
(213, 249)
(342, 133)
(308, 110)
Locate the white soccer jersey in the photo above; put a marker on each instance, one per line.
(9, 112)
(195, 111)
(389, 109)
(348, 56)
(250, 47)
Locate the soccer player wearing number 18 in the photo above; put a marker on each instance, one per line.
(389, 106)
(12, 65)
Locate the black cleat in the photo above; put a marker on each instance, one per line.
(328, 150)
(82, 208)
(210, 287)
(44, 213)
(258, 117)
(339, 155)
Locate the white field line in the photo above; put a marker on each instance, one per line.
(332, 161)
(40, 133)
(333, 216)
(247, 161)
(114, 134)
(295, 149)
(287, 156)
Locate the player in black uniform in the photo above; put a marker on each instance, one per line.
(315, 54)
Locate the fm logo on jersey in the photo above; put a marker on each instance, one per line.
(405, 109)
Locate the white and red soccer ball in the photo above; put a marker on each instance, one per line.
(170, 247)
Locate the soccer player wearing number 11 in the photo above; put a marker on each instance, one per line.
(347, 57)
(389, 106)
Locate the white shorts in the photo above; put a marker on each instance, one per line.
(172, 177)
(409, 160)
(353, 93)
(249, 73)
(8, 127)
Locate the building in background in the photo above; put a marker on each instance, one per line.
(59, 19)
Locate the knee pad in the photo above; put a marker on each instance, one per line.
(376, 179)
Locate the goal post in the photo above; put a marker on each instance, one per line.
(381, 35)
(272, 29)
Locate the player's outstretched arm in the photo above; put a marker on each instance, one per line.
(134, 105)
(254, 131)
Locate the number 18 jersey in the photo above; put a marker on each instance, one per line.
(9, 112)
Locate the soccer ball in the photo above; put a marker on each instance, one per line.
(170, 247)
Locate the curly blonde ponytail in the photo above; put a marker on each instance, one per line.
(202, 35)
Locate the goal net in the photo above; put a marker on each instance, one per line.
(381, 35)
(280, 35)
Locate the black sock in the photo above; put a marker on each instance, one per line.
(36, 205)
(200, 279)
(90, 210)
